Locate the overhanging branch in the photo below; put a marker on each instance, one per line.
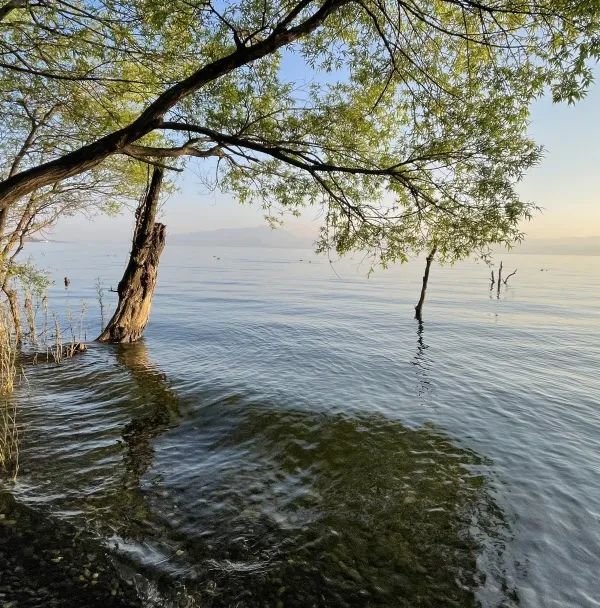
(89, 156)
(296, 158)
(10, 6)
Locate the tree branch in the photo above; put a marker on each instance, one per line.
(10, 6)
(510, 275)
(292, 157)
(89, 156)
(187, 149)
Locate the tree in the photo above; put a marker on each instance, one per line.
(415, 133)
(34, 129)
(136, 288)
(428, 262)
(42, 116)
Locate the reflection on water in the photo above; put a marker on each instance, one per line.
(161, 410)
(237, 503)
(422, 363)
(332, 511)
(307, 445)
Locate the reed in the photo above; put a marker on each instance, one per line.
(30, 317)
(9, 432)
(52, 334)
(9, 438)
(100, 297)
(13, 353)
(56, 349)
(8, 353)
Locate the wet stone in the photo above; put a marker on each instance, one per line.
(40, 564)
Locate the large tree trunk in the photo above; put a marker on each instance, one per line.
(419, 306)
(136, 288)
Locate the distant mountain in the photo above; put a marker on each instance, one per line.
(37, 239)
(263, 236)
(260, 236)
(563, 246)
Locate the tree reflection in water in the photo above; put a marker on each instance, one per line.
(246, 501)
(422, 363)
(161, 409)
(305, 509)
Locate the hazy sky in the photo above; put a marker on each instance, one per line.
(566, 185)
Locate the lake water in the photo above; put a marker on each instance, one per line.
(288, 435)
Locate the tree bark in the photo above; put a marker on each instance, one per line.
(419, 306)
(13, 303)
(136, 288)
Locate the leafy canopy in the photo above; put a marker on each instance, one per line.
(405, 120)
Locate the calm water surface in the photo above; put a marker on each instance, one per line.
(288, 435)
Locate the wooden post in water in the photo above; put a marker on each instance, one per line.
(510, 275)
(499, 278)
(419, 306)
(136, 288)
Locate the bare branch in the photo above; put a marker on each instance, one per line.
(187, 149)
(510, 275)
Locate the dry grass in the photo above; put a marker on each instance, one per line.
(8, 354)
(46, 343)
(9, 432)
(53, 342)
(30, 318)
(100, 298)
(59, 349)
(9, 438)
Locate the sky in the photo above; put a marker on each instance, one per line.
(566, 185)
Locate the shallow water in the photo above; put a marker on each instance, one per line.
(288, 435)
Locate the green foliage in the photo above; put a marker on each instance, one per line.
(406, 122)
(440, 92)
(34, 281)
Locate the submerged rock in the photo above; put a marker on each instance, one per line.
(38, 556)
